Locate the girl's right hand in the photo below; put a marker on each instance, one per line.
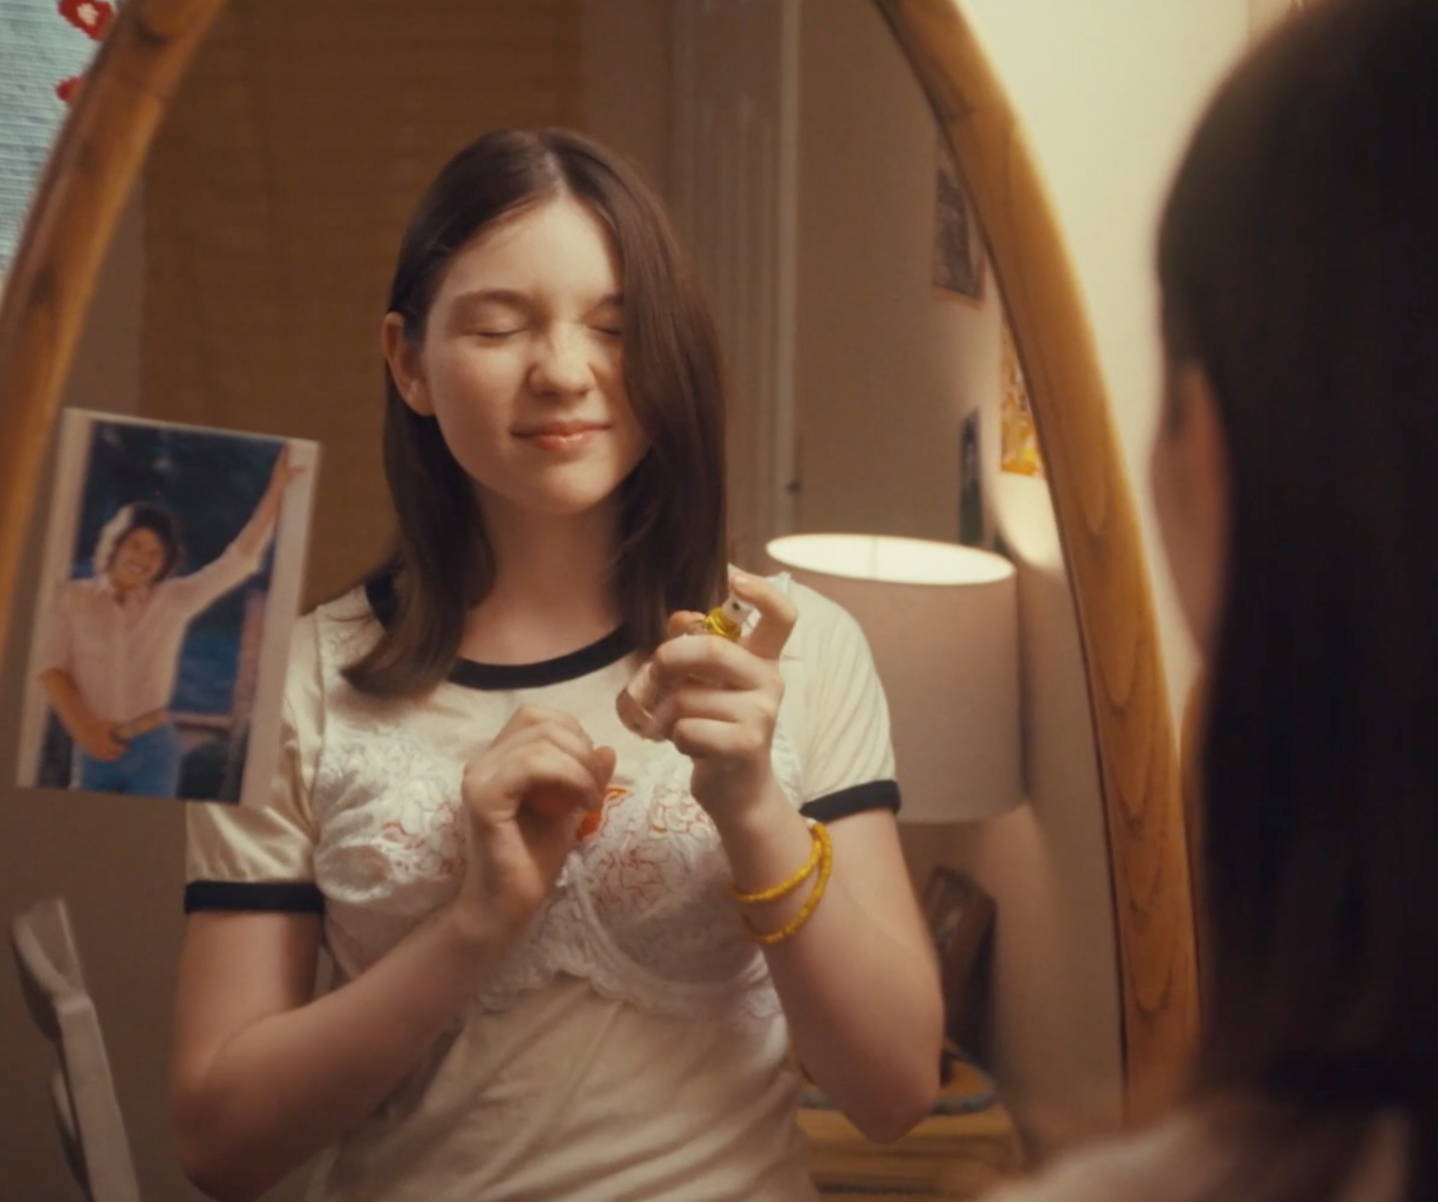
(525, 796)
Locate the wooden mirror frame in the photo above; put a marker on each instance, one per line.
(100, 152)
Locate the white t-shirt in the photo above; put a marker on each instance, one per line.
(631, 1046)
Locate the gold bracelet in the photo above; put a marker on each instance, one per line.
(818, 834)
(811, 903)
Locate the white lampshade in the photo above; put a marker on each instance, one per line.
(943, 625)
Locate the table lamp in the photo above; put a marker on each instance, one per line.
(942, 622)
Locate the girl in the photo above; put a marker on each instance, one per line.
(113, 641)
(1297, 259)
(571, 962)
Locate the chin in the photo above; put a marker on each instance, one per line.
(573, 507)
(565, 503)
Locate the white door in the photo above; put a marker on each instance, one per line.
(735, 162)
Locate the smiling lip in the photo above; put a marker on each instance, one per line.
(562, 436)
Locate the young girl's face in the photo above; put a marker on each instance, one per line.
(1189, 478)
(520, 363)
(138, 559)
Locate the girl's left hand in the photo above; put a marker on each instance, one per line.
(721, 699)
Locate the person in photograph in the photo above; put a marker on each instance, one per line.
(112, 640)
(571, 962)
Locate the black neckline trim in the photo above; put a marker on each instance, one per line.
(472, 674)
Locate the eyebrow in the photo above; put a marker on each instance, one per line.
(519, 300)
(498, 296)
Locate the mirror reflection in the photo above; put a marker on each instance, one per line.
(873, 388)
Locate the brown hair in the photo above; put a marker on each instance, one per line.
(671, 550)
(1297, 259)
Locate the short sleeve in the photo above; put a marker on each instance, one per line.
(262, 857)
(845, 745)
(57, 634)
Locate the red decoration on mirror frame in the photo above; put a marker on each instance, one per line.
(91, 16)
(67, 88)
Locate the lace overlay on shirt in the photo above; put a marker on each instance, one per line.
(640, 909)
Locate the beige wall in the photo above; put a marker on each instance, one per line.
(624, 97)
(888, 366)
(1107, 91)
(118, 862)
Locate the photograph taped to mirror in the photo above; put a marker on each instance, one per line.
(169, 585)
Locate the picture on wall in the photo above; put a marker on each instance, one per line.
(169, 586)
(960, 918)
(1019, 436)
(958, 248)
(972, 527)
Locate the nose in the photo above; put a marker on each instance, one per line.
(561, 365)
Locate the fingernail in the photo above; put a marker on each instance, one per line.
(740, 578)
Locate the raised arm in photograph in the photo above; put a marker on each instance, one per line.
(193, 592)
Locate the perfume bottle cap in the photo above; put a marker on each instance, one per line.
(727, 620)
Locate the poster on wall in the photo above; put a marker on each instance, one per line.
(1018, 435)
(168, 589)
(958, 248)
(972, 526)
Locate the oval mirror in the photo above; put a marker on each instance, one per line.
(210, 243)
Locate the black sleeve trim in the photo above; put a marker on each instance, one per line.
(283, 896)
(872, 795)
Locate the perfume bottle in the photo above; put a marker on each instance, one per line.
(637, 700)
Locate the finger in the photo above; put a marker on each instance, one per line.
(705, 738)
(495, 786)
(680, 622)
(714, 661)
(603, 761)
(777, 614)
(699, 701)
(569, 737)
(555, 785)
(559, 833)
(554, 802)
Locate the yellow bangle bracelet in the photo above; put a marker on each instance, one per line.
(820, 836)
(811, 903)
